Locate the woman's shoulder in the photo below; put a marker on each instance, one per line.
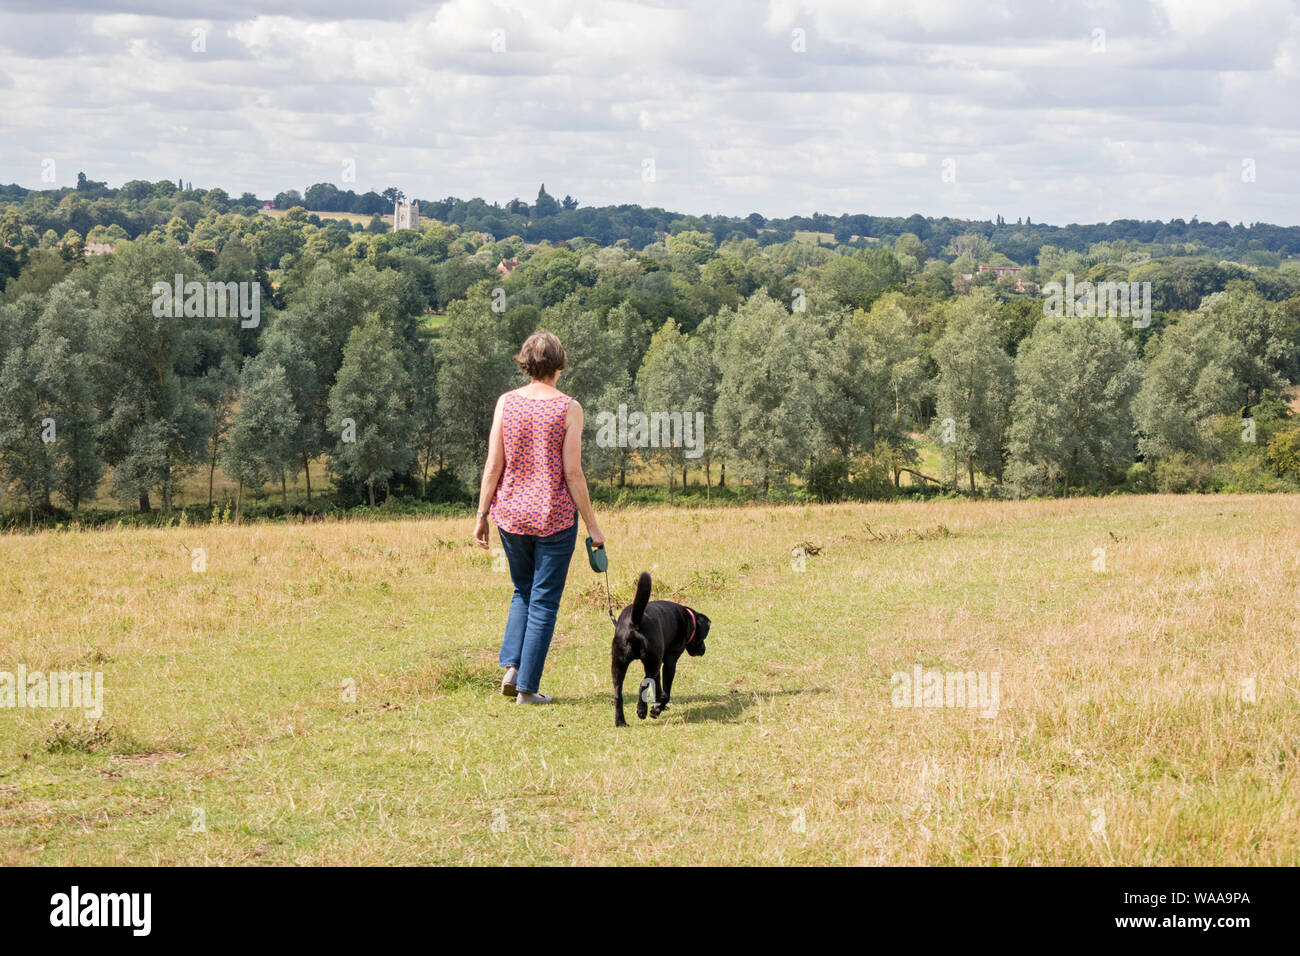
(519, 393)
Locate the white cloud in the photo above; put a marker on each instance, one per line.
(1037, 121)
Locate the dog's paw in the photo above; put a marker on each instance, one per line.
(645, 695)
(620, 722)
(655, 711)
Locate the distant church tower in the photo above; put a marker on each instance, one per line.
(406, 215)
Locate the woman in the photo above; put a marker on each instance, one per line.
(532, 482)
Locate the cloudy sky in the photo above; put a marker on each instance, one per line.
(1061, 110)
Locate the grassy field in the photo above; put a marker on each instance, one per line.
(355, 218)
(322, 694)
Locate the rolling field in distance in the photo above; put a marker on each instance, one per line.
(326, 693)
(355, 218)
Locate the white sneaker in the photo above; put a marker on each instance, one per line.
(508, 682)
(524, 697)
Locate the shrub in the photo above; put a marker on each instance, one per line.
(445, 488)
(1139, 478)
(1246, 476)
(829, 480)
(1180, 472)
(1284, 451)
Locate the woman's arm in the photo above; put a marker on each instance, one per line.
(496, 463)
(573, 474)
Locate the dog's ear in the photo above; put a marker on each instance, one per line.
(702, 623)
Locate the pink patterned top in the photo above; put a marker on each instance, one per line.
(532, 496)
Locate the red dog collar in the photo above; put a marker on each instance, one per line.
(692, 614)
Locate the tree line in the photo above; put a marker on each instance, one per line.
(833, 372)
(31, 217)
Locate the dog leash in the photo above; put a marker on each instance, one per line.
(610, 601)
(599, 562)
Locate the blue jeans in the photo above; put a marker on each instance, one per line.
(538, 568)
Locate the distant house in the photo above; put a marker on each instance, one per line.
(1001, 270)
(269, 204)
(1023, 285)
(507, 266)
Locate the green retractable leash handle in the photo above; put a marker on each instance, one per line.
(599, 562)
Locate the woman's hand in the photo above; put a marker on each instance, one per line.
(481, 531)
(597, 536)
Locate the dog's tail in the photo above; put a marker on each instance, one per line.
(642, 598)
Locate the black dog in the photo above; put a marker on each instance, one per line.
(655, 633)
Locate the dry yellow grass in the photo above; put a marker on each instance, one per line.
(355, 218)
(1147, 715)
